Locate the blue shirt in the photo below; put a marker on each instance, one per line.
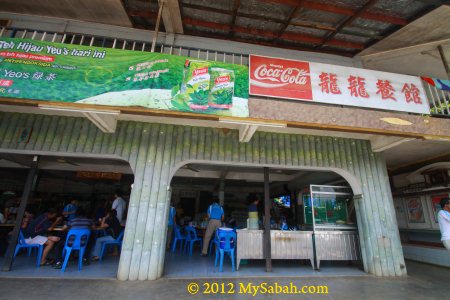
(215, 211)
(252, 207)
(172, 213)
(70, 207)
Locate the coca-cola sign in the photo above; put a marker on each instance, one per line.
(282, 78)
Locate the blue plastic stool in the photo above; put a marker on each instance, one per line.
(178, 237)
(191, 238)
(227, 244)
(77, 239)
(117, 241)
(21, 244)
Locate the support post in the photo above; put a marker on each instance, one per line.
(158, 20)
(23, 204)
(267, 206)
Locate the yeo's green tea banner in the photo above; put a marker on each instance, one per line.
(80, 74)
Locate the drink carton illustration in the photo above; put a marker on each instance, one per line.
(222, 88)
(196, 84)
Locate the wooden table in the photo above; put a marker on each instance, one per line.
(7, 225)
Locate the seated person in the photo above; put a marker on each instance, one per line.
(2, 218)
(110, 222)
(37, 231)
(81, 221)
(27, 218)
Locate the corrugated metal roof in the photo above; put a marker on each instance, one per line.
(277, 22)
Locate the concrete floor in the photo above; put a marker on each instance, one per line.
(179, 266)
(423, 282)
(25, 267)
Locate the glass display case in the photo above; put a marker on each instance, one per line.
(327, 207)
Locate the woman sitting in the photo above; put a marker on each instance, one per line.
(109, 222)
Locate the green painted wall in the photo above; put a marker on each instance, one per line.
(154, 151)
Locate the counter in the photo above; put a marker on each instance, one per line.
(284, 245)
(336, 245)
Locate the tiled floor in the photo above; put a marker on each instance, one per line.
(184, 266)
(179, 265)
(25, 266)
(424, 282)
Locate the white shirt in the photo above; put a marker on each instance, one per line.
(119, 206)
(2, 218)
(444, 224)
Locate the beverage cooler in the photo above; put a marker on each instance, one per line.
(327, 212)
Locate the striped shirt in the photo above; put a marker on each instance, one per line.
(80, 223)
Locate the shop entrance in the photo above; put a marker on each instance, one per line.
(293, 232)
(84, 185)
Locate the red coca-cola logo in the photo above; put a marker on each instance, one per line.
(279, 74)
(282, 78)
(200, 71)
(222, 79)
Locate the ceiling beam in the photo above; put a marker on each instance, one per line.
(292, 14)
(237, 4)
(147, 14)
(105, 122)
(171, 16)
(349, 20)
(383, 143)
(274, 35)
(246, 133)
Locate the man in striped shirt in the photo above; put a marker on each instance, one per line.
(81, 221)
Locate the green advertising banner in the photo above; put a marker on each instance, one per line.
(80, 74)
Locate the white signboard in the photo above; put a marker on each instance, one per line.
(315, 82)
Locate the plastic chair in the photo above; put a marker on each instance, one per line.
(178, 237)
(191, 238)
(21, 244)
(227, 244)
(77, 239)
(117, 241)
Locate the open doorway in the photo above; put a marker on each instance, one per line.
(83, 184)
(236, 187)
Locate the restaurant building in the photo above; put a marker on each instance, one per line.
(293, 113)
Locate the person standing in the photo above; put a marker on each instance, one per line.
(444, 222)
(215, 218)
(119, 205)
(171, 223)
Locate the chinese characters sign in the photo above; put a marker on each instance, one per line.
(38, 70)
(289, 79)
